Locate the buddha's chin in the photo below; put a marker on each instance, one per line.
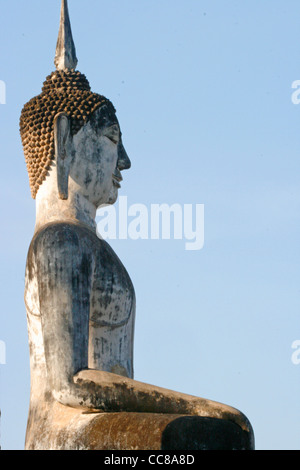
(113, 195)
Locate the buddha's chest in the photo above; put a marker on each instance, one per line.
(112, 293)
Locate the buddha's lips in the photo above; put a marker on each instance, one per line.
(117, 178)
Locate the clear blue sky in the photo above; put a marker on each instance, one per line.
(203, 95)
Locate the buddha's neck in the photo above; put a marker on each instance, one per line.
(49, 209)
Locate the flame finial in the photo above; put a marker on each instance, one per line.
(65, 57)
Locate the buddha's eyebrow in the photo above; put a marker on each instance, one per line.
(112, 132)
(113, 127)
(108, 121)
(112, 124)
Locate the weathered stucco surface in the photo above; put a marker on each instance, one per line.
(64, 428)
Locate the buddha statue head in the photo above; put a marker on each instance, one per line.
(71, 136)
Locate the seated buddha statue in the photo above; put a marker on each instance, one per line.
(79, 298)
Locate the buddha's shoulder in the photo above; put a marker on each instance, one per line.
(66, 235)
(66, 244)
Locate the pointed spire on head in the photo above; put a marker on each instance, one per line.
(65, 57)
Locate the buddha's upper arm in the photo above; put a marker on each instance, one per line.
(64, 267)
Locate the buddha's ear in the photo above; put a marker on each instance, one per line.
(63, 152)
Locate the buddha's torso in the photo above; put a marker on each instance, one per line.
(110, 295)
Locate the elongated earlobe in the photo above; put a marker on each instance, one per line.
(63, 153)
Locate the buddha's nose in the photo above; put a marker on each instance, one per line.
(124, 162)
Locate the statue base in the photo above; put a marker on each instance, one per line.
(64, 428)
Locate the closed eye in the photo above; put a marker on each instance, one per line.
(112, 133)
